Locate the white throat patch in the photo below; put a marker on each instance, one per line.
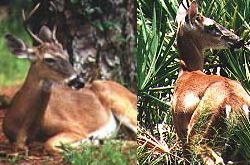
(208, 22)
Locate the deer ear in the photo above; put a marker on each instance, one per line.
(45, 34)
(193, 10)
(186, 12)
(182, 12)
(18, 47)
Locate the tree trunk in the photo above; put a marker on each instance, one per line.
(98, 35)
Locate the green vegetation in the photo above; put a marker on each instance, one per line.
(157, 70)
(12, 70)
(110, 153)
(15, 159)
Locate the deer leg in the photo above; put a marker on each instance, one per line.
(124, 111)
(119, 100)
(20, 147)
(209, 157)
(20, 143)
(210, 104)
(210, 109)
(52, 144)
(126, 119)
(207, 154)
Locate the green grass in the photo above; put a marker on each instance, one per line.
(12, 70)
(110, 153)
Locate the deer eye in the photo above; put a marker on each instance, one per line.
(212, 29)
(49, 61)
(198, 18)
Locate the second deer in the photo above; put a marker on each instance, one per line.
(45, 109)
(197, 93)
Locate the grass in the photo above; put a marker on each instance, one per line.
(109, 153)
(240, 132)
(157, 69)
(15, 159)
(12, 70)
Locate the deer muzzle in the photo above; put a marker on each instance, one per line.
(75, 81)
(233, 41)
(236, 44)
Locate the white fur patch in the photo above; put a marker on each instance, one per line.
(107, 130)
(181, 14)
(125, 121)
(74, 76)
(228, 111)
(47, 55)
(30, 50)
(208, 21)
(246, 110)
(191, 100)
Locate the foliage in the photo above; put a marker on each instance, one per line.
(240, 132)
(110, 153)
(156, 65)
(157, 70)
(12, 69)
(106, 28)
(15, 159)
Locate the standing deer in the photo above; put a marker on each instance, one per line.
(45, 109)
(195, 92)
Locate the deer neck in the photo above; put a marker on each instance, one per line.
(34, 84)
(30, 102)
(191, 56)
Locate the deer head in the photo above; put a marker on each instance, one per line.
(197, 33)
(49, 59)
(205, 32)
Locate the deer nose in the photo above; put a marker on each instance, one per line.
(239, 43)
(75, 82)
(235, 42)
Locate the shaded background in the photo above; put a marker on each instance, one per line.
(98, 35)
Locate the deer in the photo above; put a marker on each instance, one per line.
(55, 106)
(196, 93)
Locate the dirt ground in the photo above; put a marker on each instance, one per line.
(35, 156)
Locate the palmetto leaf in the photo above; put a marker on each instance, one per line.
(157, 59)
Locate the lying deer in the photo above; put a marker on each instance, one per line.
(195, 92)
(46, 109)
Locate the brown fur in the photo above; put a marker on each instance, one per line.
(45, 109)
(197, 93)
(63, 114)
(213, 91)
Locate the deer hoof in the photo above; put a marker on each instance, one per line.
(20, 148)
